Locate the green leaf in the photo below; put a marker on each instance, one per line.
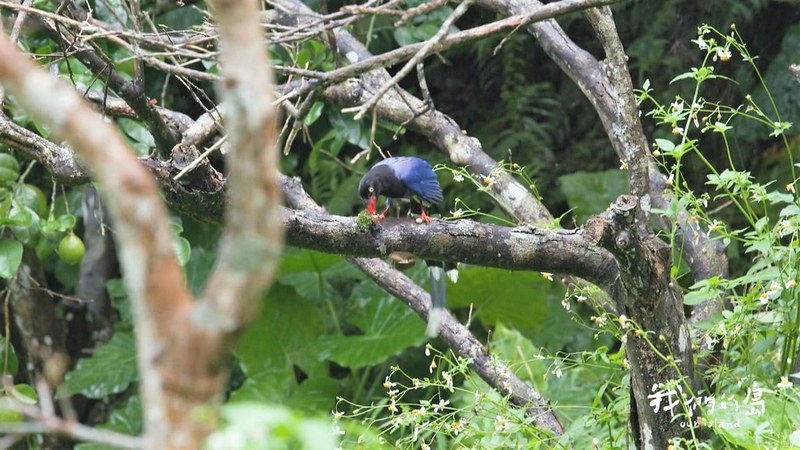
(279, 343)
(591, 192)
(314, 113)
(126, 418)
(119, 298)
(24, 393)
(665, 145)
(183, 249)
(256, 426)
(9, 411)
(303, 270)
(388, 327)
(10, 258)
(8, 357)
(110, 370)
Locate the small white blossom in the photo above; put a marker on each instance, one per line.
(547, 276)
(448, 378)
(441, 405)
(599, 320)
(565, 303)
(763, 298)
(784, 383)
(501, 424)
(458, 427)
(458, 178)
(457, 213)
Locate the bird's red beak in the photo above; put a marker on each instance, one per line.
(371, 204)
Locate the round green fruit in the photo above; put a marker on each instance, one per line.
(71, 249)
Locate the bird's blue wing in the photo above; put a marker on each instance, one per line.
(418, 176)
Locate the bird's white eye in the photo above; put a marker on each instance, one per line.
(371, 189)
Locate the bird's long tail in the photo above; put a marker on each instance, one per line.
(438, 291)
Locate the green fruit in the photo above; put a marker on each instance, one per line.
(32, 197)
(71, 249)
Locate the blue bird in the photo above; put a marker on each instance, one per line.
(408, 176)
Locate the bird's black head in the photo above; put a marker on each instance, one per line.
(380, 180)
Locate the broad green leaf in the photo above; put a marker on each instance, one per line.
(308, 271)
(501, 296)
(10, 258)
(591, 192)
(278, 345)
(388, 328)
(110, 370)
(255, 426)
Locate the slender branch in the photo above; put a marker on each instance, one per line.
(417, 58)
(44, 420)
(463, 342)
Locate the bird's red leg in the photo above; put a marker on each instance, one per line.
(423, 215)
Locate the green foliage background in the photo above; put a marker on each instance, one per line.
(325, 333)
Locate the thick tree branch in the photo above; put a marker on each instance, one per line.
(521, 248)
(152, 274)
(453, 333)
(252, 241)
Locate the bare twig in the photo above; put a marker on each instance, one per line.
(412, 63)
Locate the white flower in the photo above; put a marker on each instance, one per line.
(547, 276)
(457, 213)
(565, 303)
(448, 378)
(784, 383)
(441, 405)
(599, 320)
(458, 178)
(763, 298)
(501, 424)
